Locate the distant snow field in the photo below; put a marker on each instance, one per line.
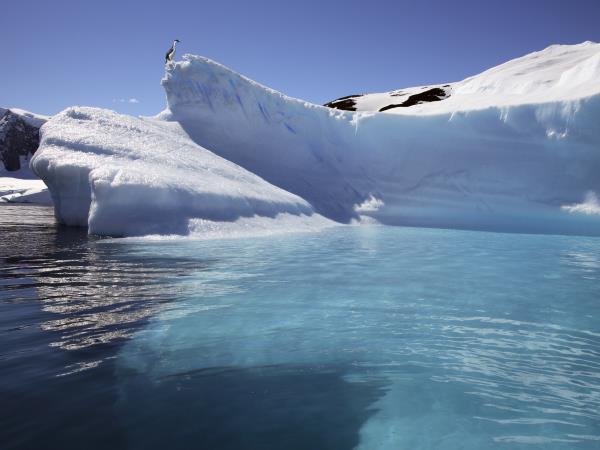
(516, 148)
(23, 190)
(18, 140)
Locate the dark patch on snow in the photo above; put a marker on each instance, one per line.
(348, 96)
(431, 95)
(17, 138)
(346, 103)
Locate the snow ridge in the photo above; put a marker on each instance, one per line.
(557, 73)
(458, 162)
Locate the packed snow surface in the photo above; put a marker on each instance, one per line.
(121, 175)
(557, 73)
(23, 190)
(515, 148)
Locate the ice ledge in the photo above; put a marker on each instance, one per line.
(558, 73)
(120, 175)
(503, 168)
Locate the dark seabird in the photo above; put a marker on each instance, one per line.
(171, 52)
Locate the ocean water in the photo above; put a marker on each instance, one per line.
(355, 337)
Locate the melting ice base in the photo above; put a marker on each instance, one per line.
(371, 337)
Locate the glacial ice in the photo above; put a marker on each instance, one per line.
(511, 149)
(460, 163)
(121, 175)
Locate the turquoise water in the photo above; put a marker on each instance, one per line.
(356, 337)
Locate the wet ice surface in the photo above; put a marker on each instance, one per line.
(356, 337)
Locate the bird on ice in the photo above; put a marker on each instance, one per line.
(171, 51)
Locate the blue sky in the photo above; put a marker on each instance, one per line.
(103, 53)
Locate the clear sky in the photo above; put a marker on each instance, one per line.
(104, 53)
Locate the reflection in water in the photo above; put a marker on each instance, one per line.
(587, 262)
(95, 293)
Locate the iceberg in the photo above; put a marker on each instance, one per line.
(126, 176)
(511, 149)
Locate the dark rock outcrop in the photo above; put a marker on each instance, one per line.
(344, 103)
(431, 95)
(18, 138)
(427, 95)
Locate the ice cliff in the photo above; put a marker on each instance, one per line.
(516, 148)
(121, 175)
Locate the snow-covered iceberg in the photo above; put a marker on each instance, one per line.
(503, 150)
(120, 175)
(515, 148)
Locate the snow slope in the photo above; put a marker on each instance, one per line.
(121, 175)
(557, 73)
(21, 189)
(516, 148)
(509, 150)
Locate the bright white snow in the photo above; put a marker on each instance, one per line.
(121, 175)
(509, 150)
(23, 190)
(484, 162)
(557, 73)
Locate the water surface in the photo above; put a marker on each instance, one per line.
(356, 337)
